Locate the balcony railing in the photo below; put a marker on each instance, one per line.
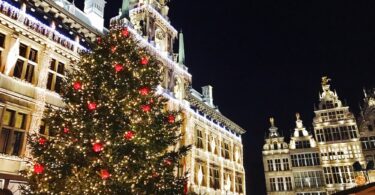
(37, 26)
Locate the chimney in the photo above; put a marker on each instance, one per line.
(207, 95)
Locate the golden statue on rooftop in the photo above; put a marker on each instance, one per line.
(325, 80)
(298, 116)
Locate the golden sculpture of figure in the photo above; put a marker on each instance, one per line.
(325, 80)
(298, 116)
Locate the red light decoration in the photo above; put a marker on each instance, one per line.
(129, 135)
(144, 61)
(171, 118)
(97, 147)
(91, 106)
(38, 168)
(66, 130)
(104, 173)
(113, 49)
(125, 32)
(42, 140)
(144, 91)
(77, 85)
(146, 108)
(168, 161)
(118, 67)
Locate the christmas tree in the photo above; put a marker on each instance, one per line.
(115, 134)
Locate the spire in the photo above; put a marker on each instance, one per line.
(181, 49)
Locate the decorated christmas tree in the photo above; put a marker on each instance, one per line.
(115, 134)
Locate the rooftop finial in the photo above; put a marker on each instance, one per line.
(272, 121)
(298, 116)
(181, 49)
(325, 80)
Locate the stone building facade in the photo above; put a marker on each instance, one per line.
(322, 163)
(41, 39)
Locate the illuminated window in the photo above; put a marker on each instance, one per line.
(239, 184)
(280, 184)
(225, 150)
(339, 174)
(199, 138)
(273, 184)
(270, 165)
(278, 164)
(26, 64)
(55, 76)
(13, 132)
(214, 177)
(200, 165)
(285, 164)
(43, 128)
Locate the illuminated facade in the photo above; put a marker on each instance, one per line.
(320, 165)
(41, 39)
(366, 125)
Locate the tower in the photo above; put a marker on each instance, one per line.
(95, 12)
(337, 136)
(276, 161)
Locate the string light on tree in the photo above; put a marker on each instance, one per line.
(118, 148)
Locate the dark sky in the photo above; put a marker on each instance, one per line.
(266, 57)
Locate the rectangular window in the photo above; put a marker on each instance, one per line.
(288, 182)
(286, 164)
(270, 165)
(280, 184)
(278, 164)
(55, 76)
(239, 184)
(199, 138)
(2, 40)
(214, 178)
(26, 64)
(200, 166)
(273, 184)
(13, 132)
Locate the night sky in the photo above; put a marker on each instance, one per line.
(266, 57)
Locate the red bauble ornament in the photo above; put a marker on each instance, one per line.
(99, 40)
(97, 147)
(129, 135)
(144, 90)
(77, 85)
(113, 49)
(66, 130)
(125, 32)
(42, 140)
(38, 168)
(146, 108)
(171, 118)
(168, 161)
(104, 174)
(91, 105)
(118, 67)
(155, 174)
(144, 61)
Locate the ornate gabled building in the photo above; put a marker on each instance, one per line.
(323, 165)
(337, 136)
(276, 161)
(305, 158)
(366, 125)
(41, 39)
